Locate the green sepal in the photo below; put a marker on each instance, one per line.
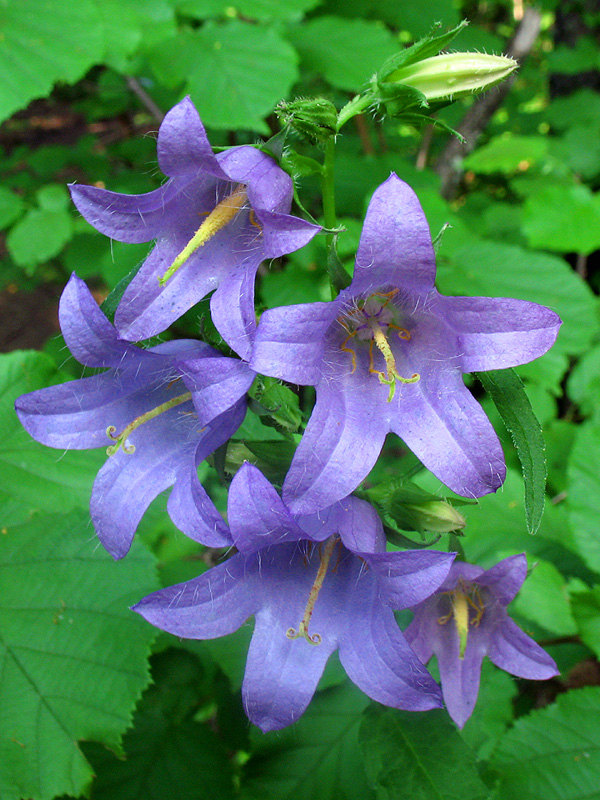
(314, 119)
(430, 45)
(338, 277)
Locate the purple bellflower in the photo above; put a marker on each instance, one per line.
(161, 412)
(465, 620)
(388, 355)
(214, 221)
(314, 583)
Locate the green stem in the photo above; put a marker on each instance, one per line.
(329, 215)
(356, 106)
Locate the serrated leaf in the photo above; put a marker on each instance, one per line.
(44, 41)
(345, 52)
(553, 753)
(583, 497)
(40, 478)
(319, 757)
(544, 599)
(508, 393)
(73, 656)
(586, 611)
(240, 72)
(39, 236)
(403, 753)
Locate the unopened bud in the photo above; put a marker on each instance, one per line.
(314, 118)
(435, 516)
(446, 77)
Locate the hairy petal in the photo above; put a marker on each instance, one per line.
(459, 677)
(410, 577)
(340, 446)
(512, 650)
(496, 332)
(214, 604)
(505, 578)
(183, 147)
(395, 245)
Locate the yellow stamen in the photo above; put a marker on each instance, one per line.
(390, 362)
(121, 438)
(462, 600)
(219, 217)
(302, 631)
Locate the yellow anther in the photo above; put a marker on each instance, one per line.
(223, 213)
(462, 599)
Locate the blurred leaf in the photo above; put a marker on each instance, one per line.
(44, 41)
(262, 10)
(564, 219)
(579, 147)
(11, 207)
(508, 393)
(319, 757)
(346, 52)
(53, 197)
(583, 499)
(402, 754)
(73, 655)
(586, 611)
(583, 386)
(554, 752)
(236, 72)
(39, 236)
(572, 60)
(544, 599)
(579, 108)
(290, 286)
(417, 19)
(41, 478)
(492, 269)
(507, 153)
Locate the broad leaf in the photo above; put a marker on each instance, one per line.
(583, 498)
(554, 753)
(72, 654)
(319, 757)
(418, 756)
(507, 154)
(508, 393)
(565, 219)
(44, 41)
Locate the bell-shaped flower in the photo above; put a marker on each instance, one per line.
(214, 221)
(314, 584)
(465, 620)
(388, 355)
(161, 412)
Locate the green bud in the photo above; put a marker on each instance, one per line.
(446, 77)
(314, 118)
(435, 516)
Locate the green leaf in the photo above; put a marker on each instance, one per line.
(11, 207)
(44, 41)
(579, 148)
(563, 218)
(263, 10)
(507, 154)
(544, 599)
(586, 611)
(167, 754)
(345, 52)
(493, 712)
(493, 269)
(319, 758)
(403, 753)
(53, 197)
(583, 385)
(239, 73)
(554, 752)
(579, 108)
(573, 60)
(39, 477)
(39, 236)
(583, 498)
(72, 654)
(508, 393)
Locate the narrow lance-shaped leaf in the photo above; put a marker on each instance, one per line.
(508, 393)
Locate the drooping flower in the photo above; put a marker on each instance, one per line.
(314, 583)
(165, 410)
(388, 355)
(465, 620)
(214, 221)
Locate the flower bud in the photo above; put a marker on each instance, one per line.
(446, 77)
(435, 516)
(314, 118)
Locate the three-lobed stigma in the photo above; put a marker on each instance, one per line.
(120, 439)
(372, 320)
(302, 632)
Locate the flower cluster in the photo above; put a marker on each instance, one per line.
(386, 355)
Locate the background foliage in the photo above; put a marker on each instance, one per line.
(83, 87)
